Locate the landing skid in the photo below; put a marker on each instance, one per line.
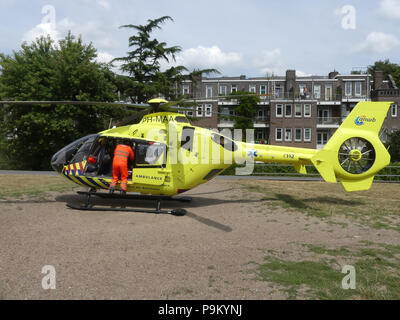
(89, 206)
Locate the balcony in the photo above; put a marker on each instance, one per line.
(329, 122)
(261, 119)
(322, 99)
(385, 93)
(354, 98)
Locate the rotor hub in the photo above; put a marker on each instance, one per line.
(356, 155)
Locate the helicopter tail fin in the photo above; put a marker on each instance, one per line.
(355, 153)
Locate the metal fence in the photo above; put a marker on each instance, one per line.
(389, 173)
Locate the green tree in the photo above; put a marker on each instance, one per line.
(388, 68)
(245, 110)
(143, 62)
(44, 70)
(143, 65)
(394, 146)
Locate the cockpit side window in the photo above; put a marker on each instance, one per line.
(228, 144)
(187, 138)
(83, 151)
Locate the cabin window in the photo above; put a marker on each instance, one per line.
(181, 119)
(187, 138)
(149, 153)
(228, 144)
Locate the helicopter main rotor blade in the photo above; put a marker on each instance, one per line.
(132, 118)
(94, 103)
(231, 96)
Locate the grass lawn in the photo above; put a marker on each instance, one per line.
(378, 207)
(17, 186)
(316, 271)
(377, 273)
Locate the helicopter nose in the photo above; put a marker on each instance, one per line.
(66, 154)
(57, 161)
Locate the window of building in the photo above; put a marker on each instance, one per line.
(322, 137)
(189, 113)
(208, 110)
(234, 88)
(384, 135)
(297, 110)
(328, 93)
(303, 91)
(260, 113)
(307, 110)
(358, 89)
(297, 134)
(279, 110)
(222, 90)
(185, 89)
(348, 88)
(263, 89)
(288, 110)
(259, 135)
(278, 134)
(252, 88)
(288, 134)
(394, 110)
(317, 91)
(307, 134)
(199, 110)
(278, 91)
(209, 91)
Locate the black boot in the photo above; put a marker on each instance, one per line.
(112, 189)
(123, 192)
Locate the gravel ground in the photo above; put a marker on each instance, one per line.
(207, 254)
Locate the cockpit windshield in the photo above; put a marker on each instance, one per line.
(65, 155)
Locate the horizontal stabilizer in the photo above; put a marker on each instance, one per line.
(300, 168)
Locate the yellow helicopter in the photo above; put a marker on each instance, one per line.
(173, 156)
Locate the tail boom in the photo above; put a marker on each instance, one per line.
(354, 154)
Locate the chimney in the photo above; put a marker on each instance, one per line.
(378, 79)
(290, 82)
(333, 74)
(196, 86)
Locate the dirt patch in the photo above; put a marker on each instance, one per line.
(211, 253)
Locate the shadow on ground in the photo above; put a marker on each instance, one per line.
(302, 203)
(151, 204)
(198, 201)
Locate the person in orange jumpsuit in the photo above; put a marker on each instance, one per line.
(122, 154)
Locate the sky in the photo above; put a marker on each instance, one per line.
(250, 37)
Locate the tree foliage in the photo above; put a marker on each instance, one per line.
(246, 109)
(44, 70)
(394, 146)
(388, 68)
(143, 65)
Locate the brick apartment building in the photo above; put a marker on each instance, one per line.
(296, 111)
